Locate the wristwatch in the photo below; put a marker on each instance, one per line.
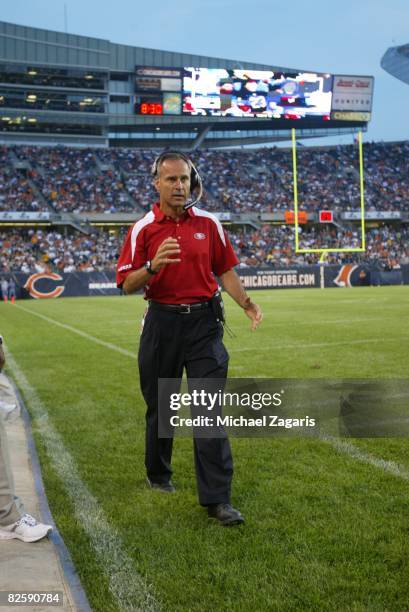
(148, 266)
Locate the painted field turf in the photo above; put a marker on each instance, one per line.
(327, 523)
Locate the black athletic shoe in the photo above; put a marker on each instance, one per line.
(225, 514)
(163, 487)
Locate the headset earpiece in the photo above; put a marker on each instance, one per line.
(195, 180)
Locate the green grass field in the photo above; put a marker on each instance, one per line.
(327, 524)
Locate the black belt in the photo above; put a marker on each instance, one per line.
(179, 308)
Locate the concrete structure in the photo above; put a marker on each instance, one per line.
(396, 62)
(43, 566)
(62, 88)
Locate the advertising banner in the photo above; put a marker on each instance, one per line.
(352, 93)
(51, 285)
(291, 278)
(46, 285)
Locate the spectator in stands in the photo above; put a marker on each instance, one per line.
(12, 290)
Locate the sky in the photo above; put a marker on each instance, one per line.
(340, 37)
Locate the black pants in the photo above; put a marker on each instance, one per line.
(170, 342)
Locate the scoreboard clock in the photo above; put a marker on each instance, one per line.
(149, 107)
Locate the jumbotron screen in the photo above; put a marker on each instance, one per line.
(221, 92)
(256, 93)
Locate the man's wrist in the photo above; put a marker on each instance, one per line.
(149, 268)
(247, 303)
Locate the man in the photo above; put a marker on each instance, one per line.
(4, 289)
(174, 252)
(14, 521)
(12, 290)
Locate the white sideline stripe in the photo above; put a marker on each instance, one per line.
(109, 345)
(114, 347)
(356, 453)
(128, 588)
(311, 345)
(323, 322)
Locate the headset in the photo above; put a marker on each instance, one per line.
(195, 179)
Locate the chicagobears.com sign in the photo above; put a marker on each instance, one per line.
(253, 278)
(42, 285)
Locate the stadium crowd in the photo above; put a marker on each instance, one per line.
(70, 180)
(272, 246)
(256, 180)
(63, 179)
(31, 250)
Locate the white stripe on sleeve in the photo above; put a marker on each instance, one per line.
(139, 225)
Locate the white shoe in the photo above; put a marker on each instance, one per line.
(26, 529)
(7, 407)
(7, 410)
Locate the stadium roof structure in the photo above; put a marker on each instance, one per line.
(60, 88)
(396, 62)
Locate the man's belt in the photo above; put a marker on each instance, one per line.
(180, 308)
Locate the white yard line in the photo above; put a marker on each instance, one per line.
(268, 348)
(77, 331)
(301, 346)
(354, 452)
(267, 324)
(128, 588)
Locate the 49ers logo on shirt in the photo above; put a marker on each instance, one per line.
(199, 236)
(37, 293)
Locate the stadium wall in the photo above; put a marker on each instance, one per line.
(46, 285)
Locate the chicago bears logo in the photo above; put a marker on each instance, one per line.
(344, 275)
(30, 285)
(355, 275)
(199, 236)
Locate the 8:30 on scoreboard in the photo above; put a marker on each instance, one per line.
(149, 107)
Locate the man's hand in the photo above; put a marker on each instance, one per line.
(139, 278)
(231, 282)
(253, 311)
(165, 254)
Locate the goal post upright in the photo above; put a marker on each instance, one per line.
(295, 183)
(361, 188)
(324, 252)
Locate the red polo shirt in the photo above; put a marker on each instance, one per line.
(205, 252)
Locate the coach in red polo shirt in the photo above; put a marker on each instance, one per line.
(174, 252)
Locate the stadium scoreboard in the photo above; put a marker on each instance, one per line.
(268, 94)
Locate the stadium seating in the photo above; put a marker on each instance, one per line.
(73, 180)
(272, 246)
(257, 180)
